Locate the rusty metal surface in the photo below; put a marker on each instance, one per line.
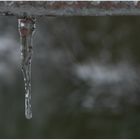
(69, 8)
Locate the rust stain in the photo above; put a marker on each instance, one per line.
(65, 7)
(93, 4)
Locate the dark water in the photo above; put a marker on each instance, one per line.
(85, 78)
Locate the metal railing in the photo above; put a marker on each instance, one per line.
(69, 8)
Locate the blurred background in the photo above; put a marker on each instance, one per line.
(85, 78)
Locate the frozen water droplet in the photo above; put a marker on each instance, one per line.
(22, 24)
(26, 29)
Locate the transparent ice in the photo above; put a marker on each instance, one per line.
(26, 29)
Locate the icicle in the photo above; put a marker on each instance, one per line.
(26, 28)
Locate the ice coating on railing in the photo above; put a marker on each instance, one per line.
(26, 28)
